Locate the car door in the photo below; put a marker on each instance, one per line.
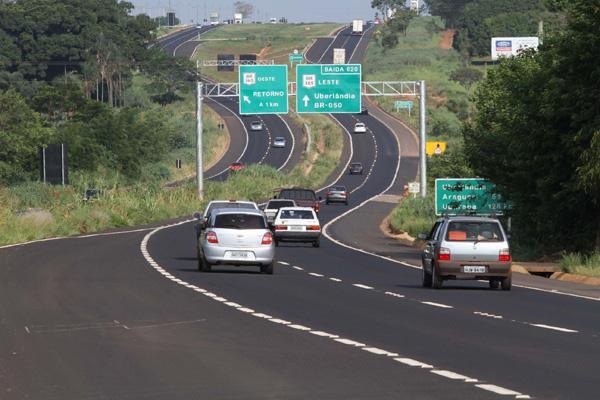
(429, 251)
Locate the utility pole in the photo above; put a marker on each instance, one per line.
(199, 170)
(422, 153)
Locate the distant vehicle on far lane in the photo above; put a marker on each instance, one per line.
(356, 168)
(279, 142)
(360, 127)
(236, 166)
(256, 126)
(273, 206)
(302, 197)
(337, 194)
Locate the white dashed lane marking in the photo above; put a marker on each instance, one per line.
(302, 328)
(555, 328)
(431, 303)
(360, 285)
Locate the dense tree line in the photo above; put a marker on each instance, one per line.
(536, 134)
(397, 23)
(65, 69)
(477, 21)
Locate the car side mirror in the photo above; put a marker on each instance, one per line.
(197, 215)
(423, 236)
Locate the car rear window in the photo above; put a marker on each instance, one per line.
(468, 231)
(337, 189)
(216, 206)
(296, 214)
(298, 194)
(277, 204)
(239, 221)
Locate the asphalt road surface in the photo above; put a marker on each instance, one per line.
(126, 315)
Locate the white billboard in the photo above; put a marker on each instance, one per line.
(512, 46)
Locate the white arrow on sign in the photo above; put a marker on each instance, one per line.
(305, 99)
(247, 100)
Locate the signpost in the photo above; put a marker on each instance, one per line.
(468, 196)
(263, 89)
(435, 148)
(404, 104)
(328, 88)
(414, 187)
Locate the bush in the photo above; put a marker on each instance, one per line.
(577, 263)
(413, 215)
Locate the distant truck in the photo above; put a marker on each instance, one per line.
(357, 27)
(238, 18)
(214, 18)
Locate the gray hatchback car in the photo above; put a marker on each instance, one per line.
(236, 237)
(467, 248)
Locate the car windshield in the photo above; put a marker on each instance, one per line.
(277, 204)
(239, 221)
(296, 214)
(356, 165)
(298, 194)
(279, 139)
(469, 231)
(337, 189)
(255, 123)
(359, 125)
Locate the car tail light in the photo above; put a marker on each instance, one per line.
(444, 254)
(313, 228)
(504, 255)
(281, 228)
(267, 238)
(211, 237)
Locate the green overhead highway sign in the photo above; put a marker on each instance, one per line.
(296, 57)
(468, 196)
(263, 89)
(328, 88)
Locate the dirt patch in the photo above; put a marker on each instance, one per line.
(263, 52)
(402, 237)
(586, 280)
(447, 39)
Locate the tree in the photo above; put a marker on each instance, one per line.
(244, 8)
(449, 10)
(466, 77)
(387, 7)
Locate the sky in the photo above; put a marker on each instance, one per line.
(293, 10)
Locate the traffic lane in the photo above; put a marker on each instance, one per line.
(170, 43)
(450, 339)
(111, 327)
(317, 49)
(186, 49)
(338, 42)
(237, 143)
(278, 157)
(296, 302)
(297, 153)
(360, 51)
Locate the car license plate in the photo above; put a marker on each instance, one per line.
(296, 228)
(239, 254)
(474, 269)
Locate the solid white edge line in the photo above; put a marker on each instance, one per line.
(343, 172)
(293, 142)
(555, 328)
(498, 390)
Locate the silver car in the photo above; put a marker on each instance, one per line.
(279, 142)
(256, 126)
(467, 248)
(236, 237)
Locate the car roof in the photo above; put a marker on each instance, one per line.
(232, 201)
(338, 187)
(359, 123)
(297, 209)
(469, 218)
(356, 163)
(279, 138)
(248, 211)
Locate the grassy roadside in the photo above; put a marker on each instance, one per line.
(268, 41)
(581, 264)
(35, 211)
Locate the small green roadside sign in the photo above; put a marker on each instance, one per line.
(263, 89)
(328, 88)
(403, 104)
(471, 196)
(296, 57)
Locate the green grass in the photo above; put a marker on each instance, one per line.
(413, 215)
(417, 57)
(275, 41)
(577, 263)
(35, 211)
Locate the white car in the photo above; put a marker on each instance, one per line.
(273, 206)
(279, 142)
(297, 224)
(256, 126)
(359, 127)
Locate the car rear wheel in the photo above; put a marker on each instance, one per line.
(426, 278)
(317, 243)
(267, 269)
(494, 284)
(436, 280)
(506, 283)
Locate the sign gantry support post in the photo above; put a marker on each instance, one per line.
(199, 169)
(422, 139)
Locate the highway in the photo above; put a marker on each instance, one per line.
(250, 147)
(127, 315)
